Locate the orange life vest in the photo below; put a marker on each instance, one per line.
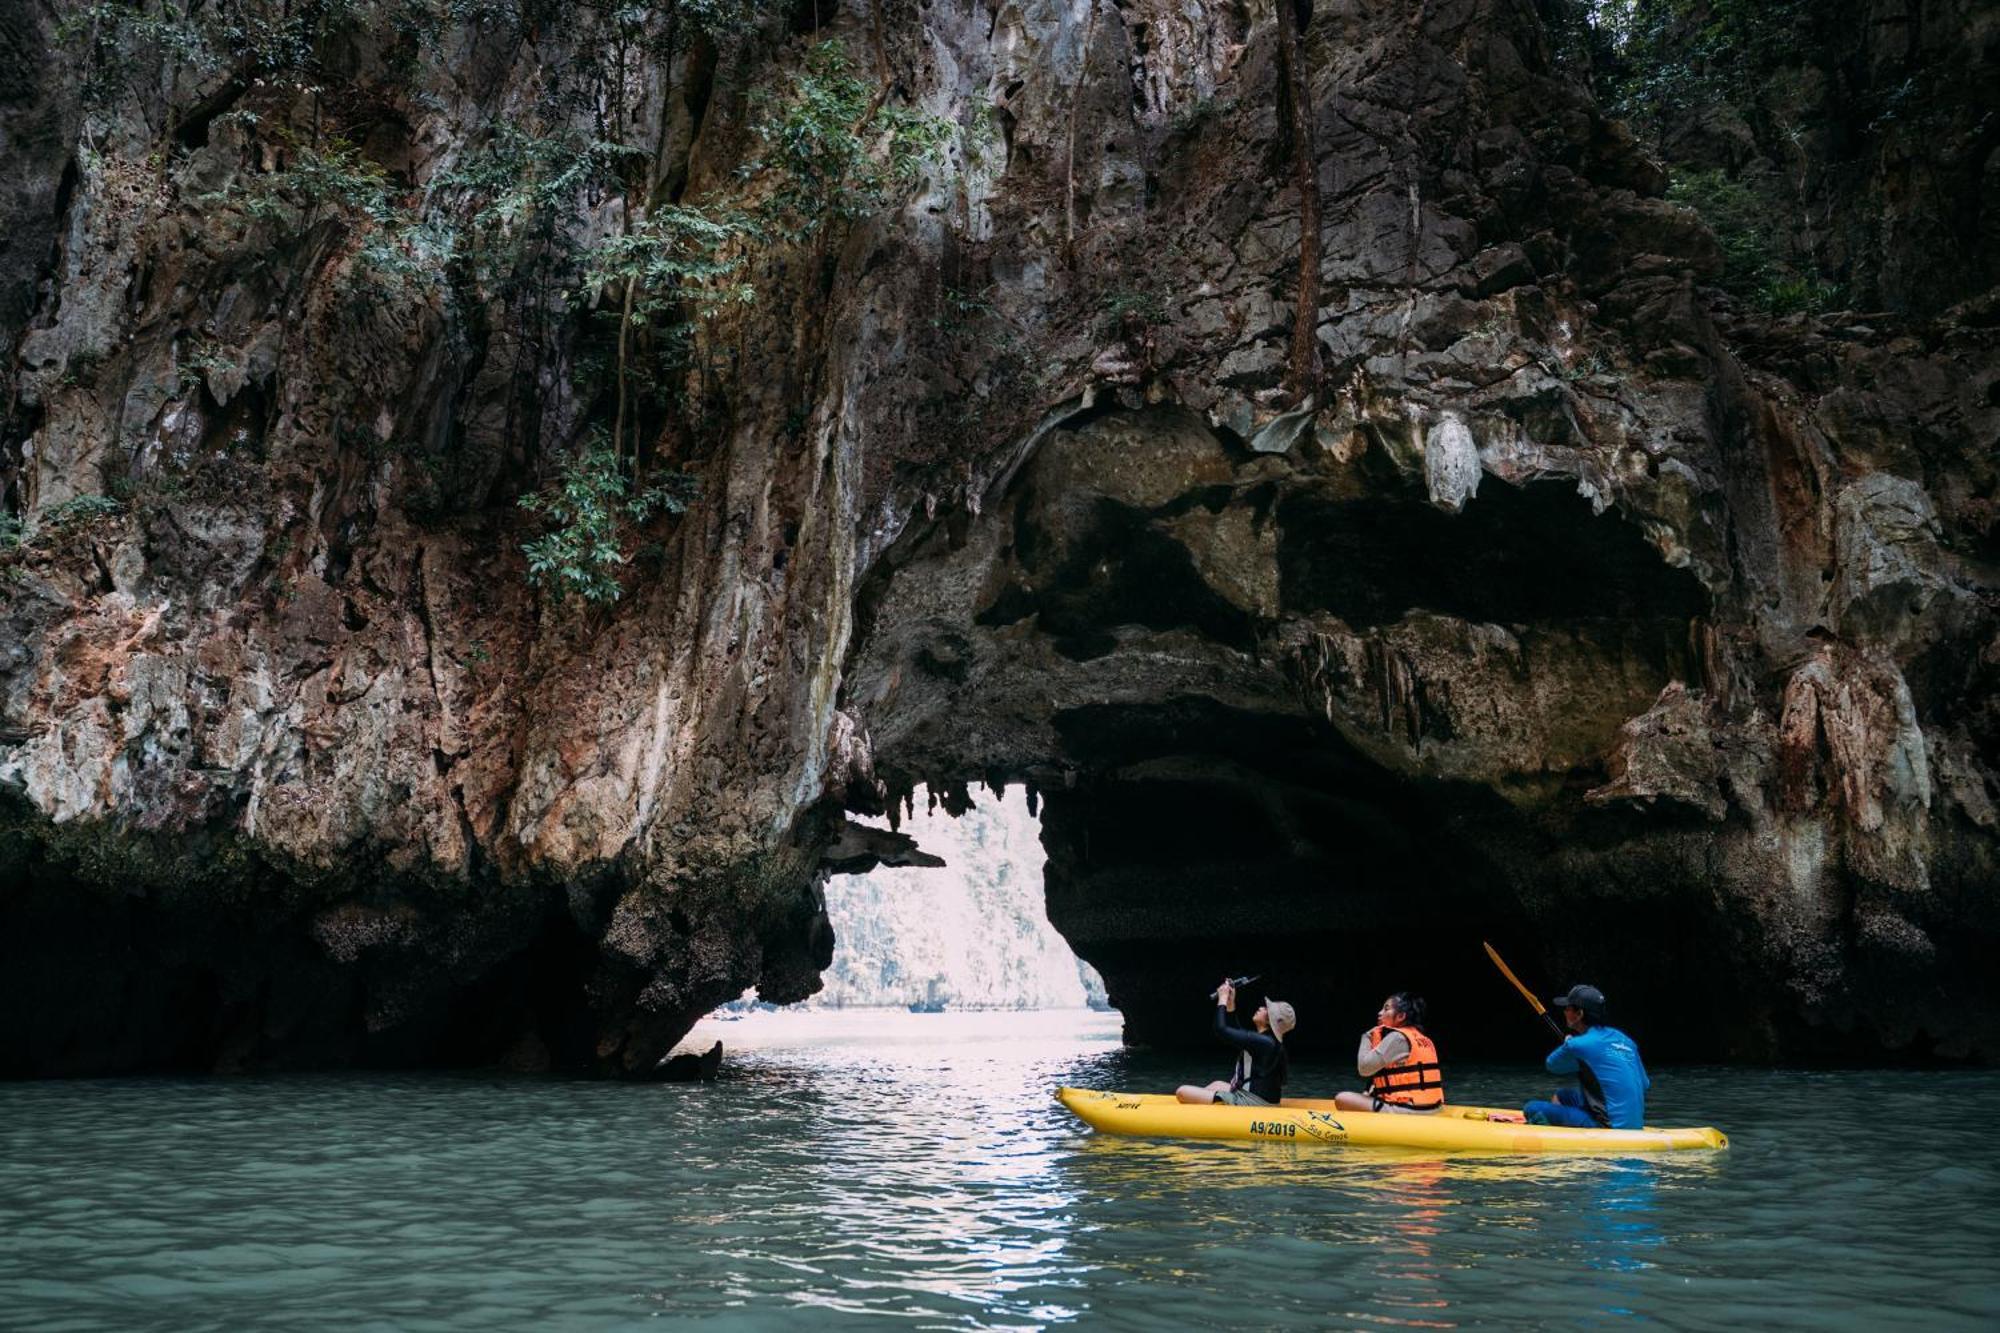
(1417, 1080)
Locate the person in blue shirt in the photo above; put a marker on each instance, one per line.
(1611, 1079)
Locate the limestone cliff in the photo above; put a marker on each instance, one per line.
(1552, 597)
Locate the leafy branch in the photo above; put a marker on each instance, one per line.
(676, 265)
(822, 133)
(590, 511)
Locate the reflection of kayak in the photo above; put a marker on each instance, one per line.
(1309, 1121)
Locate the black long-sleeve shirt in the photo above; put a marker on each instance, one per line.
(1263, 1054)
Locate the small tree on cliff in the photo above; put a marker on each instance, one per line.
(590, 510)
(833, 149)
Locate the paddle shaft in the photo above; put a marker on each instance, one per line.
(1534, 1002)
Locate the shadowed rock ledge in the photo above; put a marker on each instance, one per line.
(1581, 610)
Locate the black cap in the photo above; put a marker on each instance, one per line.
(1587, 998)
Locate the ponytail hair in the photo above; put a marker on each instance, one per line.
(1411, 1007)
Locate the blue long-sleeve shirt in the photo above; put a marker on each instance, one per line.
(1607, 1065)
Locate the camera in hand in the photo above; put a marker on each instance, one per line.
(1235, 983)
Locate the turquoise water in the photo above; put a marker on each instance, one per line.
(911, 1171)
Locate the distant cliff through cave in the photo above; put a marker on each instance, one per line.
(970, 933)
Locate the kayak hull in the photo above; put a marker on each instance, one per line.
(1303, 1120)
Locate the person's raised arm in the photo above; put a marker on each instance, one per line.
(1562, 1060)
(1261, 1044)
(1225, 1004)
(1248, 1039)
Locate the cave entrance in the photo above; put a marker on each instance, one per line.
(970, 934)
(1198, 841)
(1213, 841)
(1291, 716)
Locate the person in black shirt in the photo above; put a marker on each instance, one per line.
(1261, 1061)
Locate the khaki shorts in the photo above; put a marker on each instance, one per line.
(1241, 1097)
(1394, 1108)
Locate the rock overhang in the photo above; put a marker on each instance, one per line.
(1237, 678)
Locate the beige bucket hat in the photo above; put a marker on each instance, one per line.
(1281, 1016)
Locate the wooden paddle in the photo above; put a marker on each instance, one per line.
(1526, 994)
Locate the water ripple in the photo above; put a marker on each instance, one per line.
(912, 1171)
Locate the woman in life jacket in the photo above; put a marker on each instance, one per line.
(1399, 1062)
(1261, 1061)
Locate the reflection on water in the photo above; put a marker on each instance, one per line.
(870, 1168)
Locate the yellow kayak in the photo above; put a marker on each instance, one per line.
(1297, 1120)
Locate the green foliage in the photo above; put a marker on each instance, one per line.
(272, 41)
(269, 40)
(507, 221)
(403, 259)
(1908, 105)
(81, 367)
(1124, 309)
(589, 511)
(962, 310)
(677, 258)
(82, 509)
(1657, 62)
(114, 40)
(673, 269)
(276, 39)
(982, 132)
(201, 360)
(519, 193)
(333, 181)
(426, 22)
(1740, 219)
(318, 180)
(826, 157)
(1753, 262)
(78, 512)
(1793, 295)
(716, 18)
(1665, 64)
(154, 486)
(518, 175)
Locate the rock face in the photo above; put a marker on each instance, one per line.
(1656, 643)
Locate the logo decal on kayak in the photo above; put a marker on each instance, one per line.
(1325, 1128)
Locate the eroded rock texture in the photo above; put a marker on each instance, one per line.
(1655, 644)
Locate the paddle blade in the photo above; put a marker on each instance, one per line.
(1533, 1000)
